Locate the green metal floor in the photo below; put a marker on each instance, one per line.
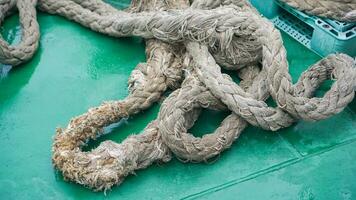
(75, 69)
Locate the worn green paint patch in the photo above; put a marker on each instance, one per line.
(330, 175)
(311, 137)
(76, 69)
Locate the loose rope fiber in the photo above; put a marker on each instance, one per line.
(185, 47)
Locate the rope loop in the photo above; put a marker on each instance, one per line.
(186, 46)
(26, 48)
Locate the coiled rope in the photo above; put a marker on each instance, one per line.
(190, 43)
(342, 10)
(15, 55)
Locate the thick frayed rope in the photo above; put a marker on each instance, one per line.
(342, 10)
(198, 40)
(22, 52)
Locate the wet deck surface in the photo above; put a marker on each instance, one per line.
(76, 69)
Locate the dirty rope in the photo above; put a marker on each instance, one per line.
(186, 43)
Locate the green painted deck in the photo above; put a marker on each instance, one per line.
(76, 69)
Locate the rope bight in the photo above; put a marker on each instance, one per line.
(186, 43)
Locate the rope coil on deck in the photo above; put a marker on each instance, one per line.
(189, 43)
(22, 52)
(341, 10)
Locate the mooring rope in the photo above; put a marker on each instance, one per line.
(189, 44)
(342, 10)
(22, 52)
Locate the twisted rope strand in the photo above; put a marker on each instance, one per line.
(197, 40)
(342, 10)
(22, 52)
(180, 110)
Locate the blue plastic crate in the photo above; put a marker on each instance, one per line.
(324, 36)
